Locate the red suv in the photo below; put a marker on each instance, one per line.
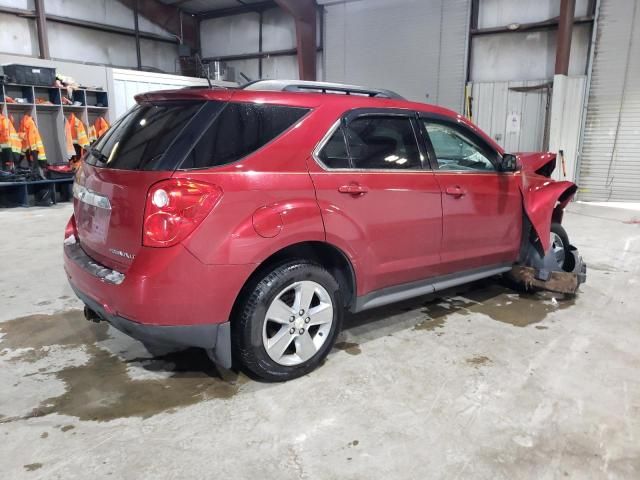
(246, 221)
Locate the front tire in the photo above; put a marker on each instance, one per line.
(560, 247)
(288, 322)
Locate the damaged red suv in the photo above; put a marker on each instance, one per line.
(246, 221)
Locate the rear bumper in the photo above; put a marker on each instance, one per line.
(166, 297)
(215, 337)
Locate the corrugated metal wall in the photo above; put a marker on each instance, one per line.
(399, 45)
(495, 103)
(610, 162)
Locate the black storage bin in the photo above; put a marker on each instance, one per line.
(29, 74)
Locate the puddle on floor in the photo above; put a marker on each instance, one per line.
(497, 302)
(349, 347)
(101, 389)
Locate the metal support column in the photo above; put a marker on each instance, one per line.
(41, 21)
(304, 13)
(137, 31)
(565, 29)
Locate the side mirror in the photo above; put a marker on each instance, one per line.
(509, 163)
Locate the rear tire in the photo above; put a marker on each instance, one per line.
(287, 322)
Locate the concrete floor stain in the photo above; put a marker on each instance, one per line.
(32, 466)
(479, 360)
(101, 389)
(349, 347)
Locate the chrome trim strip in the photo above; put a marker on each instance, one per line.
(83, 194)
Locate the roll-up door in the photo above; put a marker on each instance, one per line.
(610, 163)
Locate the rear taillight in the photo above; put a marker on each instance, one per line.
(174, 208)
(71, 231)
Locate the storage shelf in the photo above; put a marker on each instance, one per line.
(50, 118)
(22, 106)
(45, 106)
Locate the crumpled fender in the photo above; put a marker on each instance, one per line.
(544, 201)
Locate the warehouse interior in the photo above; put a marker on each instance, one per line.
(480, 380)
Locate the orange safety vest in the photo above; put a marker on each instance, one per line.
(101, 127)
(68, 139)
(9, 138)
(92, 134)
(78, 132)
(31, 139)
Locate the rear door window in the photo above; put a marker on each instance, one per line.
(239, 130)
(373, 142)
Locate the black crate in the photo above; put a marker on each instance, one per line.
(30, 74)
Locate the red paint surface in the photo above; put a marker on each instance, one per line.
(393, 227)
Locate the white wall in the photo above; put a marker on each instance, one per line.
(239, 34)
(414, 47)
(498, 13)
(525, 55)
(19, 35)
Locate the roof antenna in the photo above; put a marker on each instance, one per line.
(202, 67)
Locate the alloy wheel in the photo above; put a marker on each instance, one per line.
(297, 323)
(558, 248)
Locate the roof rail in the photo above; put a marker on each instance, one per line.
(319, 87)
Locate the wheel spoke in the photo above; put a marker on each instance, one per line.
(321, 314)
(304, 295)
(279, 312)
(279, 342)
(305, 348)
(292, 343)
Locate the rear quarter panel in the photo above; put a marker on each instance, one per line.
(268, 201)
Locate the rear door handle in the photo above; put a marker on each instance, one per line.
(455, 191)
(353, 189)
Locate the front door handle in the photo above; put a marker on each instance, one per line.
(353, 189)
(455, 191)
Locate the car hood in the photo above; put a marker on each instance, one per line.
(541, 163)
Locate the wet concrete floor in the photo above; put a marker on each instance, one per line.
(478, 382)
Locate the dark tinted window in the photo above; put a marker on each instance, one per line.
(334, 153)
(240, 129)
(383, 142)
(139, 140)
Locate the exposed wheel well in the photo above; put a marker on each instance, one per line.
(330, 257)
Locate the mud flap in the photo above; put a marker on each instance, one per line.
(553, 280)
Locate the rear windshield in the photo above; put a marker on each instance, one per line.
(189, 135)
(140, 138)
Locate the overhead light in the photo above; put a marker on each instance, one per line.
(513, 26)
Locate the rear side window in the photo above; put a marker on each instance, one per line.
(139, 140)
(239, 130)
(334, 153)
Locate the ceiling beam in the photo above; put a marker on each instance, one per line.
(549, 24)
(229, 11)
(304, 13)
(171, 18)
(31, 14)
